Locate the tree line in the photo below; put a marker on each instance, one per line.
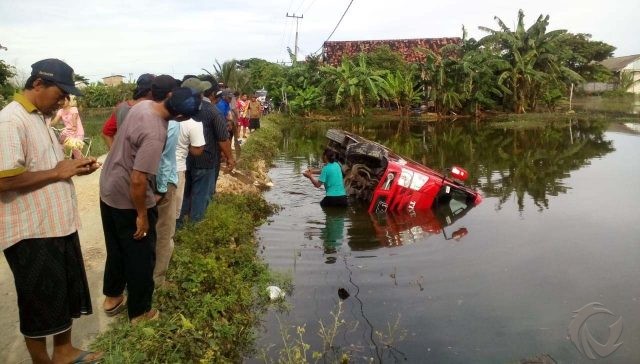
(515, 70)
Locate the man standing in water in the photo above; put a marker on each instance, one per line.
(39, 216)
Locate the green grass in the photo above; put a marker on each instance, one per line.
(92, 121)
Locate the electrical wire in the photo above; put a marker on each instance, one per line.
(337, 25)
(309, 7)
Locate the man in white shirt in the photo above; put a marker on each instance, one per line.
(190, 140)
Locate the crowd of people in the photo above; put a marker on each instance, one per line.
(166, 146)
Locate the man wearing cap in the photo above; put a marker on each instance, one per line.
(202, 171)
(166, 184)
(142, 92)
(128, 199)
(39, 216)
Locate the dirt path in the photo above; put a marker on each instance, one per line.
(85, 329)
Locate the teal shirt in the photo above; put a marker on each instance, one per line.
(331, 177)
(168, 170)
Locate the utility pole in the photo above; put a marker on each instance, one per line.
(295, 50)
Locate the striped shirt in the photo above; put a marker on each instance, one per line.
(28, 144)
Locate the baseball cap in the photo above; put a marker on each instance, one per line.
(58, 72)
(184, 101)
(143, 85)
(161, 86)
(195, 84)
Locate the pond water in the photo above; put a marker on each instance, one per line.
(558, 230)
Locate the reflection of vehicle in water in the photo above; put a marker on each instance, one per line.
(391, 183)
(398, 228)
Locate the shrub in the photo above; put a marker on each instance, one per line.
(216, 299)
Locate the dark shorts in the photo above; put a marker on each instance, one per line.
(254, 123)
(51, 284)
(340, 201)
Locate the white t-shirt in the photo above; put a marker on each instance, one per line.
(191, 134)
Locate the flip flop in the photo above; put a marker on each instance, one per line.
(117, 308)
(82, 358)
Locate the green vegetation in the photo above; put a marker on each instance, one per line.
(92, 121)
(513, 70)
(6, 88)
(218, 290)
(99, 95)
(209, 312)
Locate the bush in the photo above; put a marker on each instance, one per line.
(100, 95)
(208, 315)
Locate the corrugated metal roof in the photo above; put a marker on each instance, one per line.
(615, 64)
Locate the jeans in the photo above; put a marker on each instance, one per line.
(200, 185)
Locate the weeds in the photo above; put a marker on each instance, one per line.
(217, 298)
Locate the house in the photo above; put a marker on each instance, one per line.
(629, 65)
(410, 49)
(113, 80)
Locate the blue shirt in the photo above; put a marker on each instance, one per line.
(168, 170)
(224, 108)
(331, 177)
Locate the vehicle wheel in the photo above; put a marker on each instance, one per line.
(371, 155)
(336, 135)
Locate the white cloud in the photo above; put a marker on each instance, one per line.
(99, 38)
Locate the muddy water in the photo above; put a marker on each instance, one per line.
(558, 229)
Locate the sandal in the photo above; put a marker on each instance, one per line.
(82, 358)
(117, 308)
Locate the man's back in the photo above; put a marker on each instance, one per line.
(138, 146)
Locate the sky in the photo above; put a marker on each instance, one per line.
(107, 37)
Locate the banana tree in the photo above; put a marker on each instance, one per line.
(355, 84)
(534, 57)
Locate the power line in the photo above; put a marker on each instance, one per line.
(300, 6)
(337, 25)
(309, 7)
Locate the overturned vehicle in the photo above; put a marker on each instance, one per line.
(388, 182)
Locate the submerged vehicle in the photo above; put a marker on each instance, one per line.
(389, 182)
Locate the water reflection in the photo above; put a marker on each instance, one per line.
(395, 229)
(507, 290)
(504, 159)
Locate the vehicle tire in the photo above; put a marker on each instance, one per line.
(371, 155)
(336, 135)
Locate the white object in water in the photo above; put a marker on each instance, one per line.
(275, 292)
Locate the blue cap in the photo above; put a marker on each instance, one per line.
(58, 72)
(184, 101)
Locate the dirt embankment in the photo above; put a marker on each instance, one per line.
(85, 329)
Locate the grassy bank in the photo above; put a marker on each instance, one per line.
(219, 284)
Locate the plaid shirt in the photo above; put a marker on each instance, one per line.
(27, 144)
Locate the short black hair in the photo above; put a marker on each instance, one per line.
(330, 154)
(29, 84)
(236, 93)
